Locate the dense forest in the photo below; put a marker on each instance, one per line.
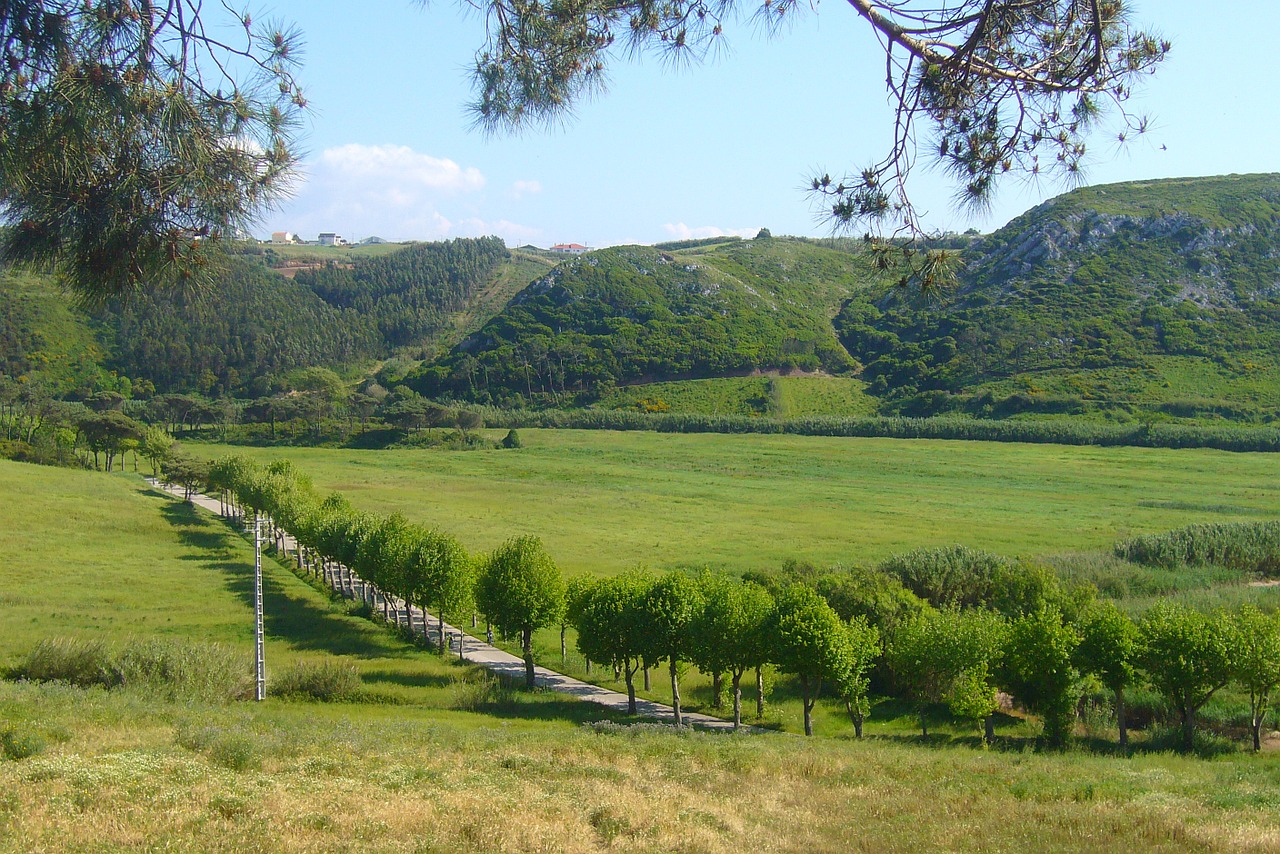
(409, 295)
(250, 326)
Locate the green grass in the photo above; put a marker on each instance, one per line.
(780, 397)
(124, 773)
(107, 558)
(428, 763)
(604, 501)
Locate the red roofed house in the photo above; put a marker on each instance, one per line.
(570, 248)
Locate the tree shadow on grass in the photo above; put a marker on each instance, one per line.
(292, 612)
(407, 680)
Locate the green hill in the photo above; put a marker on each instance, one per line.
(41, 334)
(254, 323)
(636, 314)
(1144, 300)
(1159, 297)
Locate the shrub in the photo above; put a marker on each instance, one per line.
(76, 661)
(478, 693)
(1244, 546)
(19, 744)
(230, 748)
(211, 672)
(328, 681)
(512, 439)
(961, 577)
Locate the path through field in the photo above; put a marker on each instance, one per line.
(490, 657)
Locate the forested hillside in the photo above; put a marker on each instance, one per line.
(409, 295)
(41, 334)
(637, 313)
(1148, 300)
(251, 325)
(1163, 295)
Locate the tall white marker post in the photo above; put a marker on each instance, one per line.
(259, 653)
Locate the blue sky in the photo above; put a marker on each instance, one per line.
(724, 147)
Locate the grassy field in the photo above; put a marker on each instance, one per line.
(604, 501)
(433, 759)
(777, 397)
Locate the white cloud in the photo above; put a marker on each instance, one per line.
(520, 189)
(388, 190)
(399, 165)
(680, 231)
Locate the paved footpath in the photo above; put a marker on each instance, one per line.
(509, 666)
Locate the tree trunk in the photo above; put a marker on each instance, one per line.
(759, 694)
(441, 624)
(737, 700)
(526, 640)
(717, 689)
(564, 653)
(1259, 706)
(1120, 719)
(989, 731)
(675, 693)
(855, 717)
(647, 685)
(631, 689)
(1188, 729)
(806, 699)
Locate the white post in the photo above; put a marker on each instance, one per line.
(260, 665)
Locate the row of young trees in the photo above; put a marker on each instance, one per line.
(725, 627)
(517, 587)
(1041, 648)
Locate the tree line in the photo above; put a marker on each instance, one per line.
(951, 628)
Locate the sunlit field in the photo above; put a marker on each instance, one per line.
(604, 501)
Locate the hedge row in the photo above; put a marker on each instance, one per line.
(972, 429)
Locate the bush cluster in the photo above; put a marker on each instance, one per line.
(209, 672)
(1245, 546)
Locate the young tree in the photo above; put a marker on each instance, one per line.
(156, 446)
(864, 649)
(382, 557)
(948, 656)
(671, 605)
(808, 639)
(519, 590)
(1037, 668)
(1187, 657)
(606, 615)
(729, 635)
(575, 599)
(443, 577)
(1108, 645)
(1257, 662)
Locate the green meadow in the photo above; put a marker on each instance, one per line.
(605, 501)
(433, 757)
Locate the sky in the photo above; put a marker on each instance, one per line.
(724, 147)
